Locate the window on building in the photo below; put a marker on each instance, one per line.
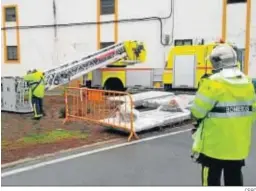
(236, 1)
(188, 42)
(182, 42)
(107, 7)
(178, 42)
(12, 53)
(10, 14)
(106, 44)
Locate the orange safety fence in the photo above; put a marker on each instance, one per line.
(106, 108)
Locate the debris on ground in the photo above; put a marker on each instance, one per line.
(23, 137)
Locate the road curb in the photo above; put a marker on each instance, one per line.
(22, 161)
(40, 157)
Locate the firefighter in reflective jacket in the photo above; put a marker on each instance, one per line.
(224, 108)
(35, 81)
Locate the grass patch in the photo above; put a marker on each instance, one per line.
(51, 137)
(5, 143)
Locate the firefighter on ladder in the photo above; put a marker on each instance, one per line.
(35, 81)
(224, 108)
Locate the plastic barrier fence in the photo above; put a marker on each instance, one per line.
(94, 106)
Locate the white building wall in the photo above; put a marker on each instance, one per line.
(74, 42)
(11, 38)
(36, 46)
(198, 19)
(252, 61)
(37, 49)
(40, 48)
(147, 31)
(236, 25)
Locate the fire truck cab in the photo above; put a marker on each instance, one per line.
(187, 63)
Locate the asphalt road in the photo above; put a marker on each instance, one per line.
(160, 162)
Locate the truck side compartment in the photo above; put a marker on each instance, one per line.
(186, 65)
(120, 79)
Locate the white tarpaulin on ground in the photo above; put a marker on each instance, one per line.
(153, 118)
(184, 100)
(139, 98)
(171, 109)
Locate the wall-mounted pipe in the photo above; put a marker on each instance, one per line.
(144, 19)
(54, 9)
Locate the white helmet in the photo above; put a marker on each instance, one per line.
(223, 56)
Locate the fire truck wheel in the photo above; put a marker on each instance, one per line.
(114, 84)
(167, 87)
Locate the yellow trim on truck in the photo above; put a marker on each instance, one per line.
(121, 75)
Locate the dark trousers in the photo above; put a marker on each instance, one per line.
(37, 104)
(211, 175)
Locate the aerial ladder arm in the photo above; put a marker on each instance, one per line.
(132, 51)
(14, 89)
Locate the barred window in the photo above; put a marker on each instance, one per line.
(183, 42)
(236, 1)
(10, 14)
(107, 7)
(12, 53)
(106, 44)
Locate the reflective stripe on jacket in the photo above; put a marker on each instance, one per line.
(228, 113)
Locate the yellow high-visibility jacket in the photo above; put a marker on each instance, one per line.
(36, 83)
(227, 108)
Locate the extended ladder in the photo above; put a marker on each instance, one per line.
(14, 89)
(70, 71)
